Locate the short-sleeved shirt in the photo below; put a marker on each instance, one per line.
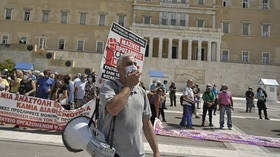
(45, 85)
(81, 90)
(71, 92)
(225, 97)
(129, 122)
(189, 93)
(208, 97)
(260, 95)
(215, 92)
(152, 87)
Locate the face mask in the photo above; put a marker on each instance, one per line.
(89, 79)
(130, 68)
(25, 77)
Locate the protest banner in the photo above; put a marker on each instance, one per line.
(216, 136)
(38, 113)
(120, 41)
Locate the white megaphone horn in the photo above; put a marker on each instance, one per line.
(79, 135)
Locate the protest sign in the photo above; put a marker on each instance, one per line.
(120, 41)
(38, 113)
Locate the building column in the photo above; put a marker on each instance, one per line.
(151, 47)
(214, 21)
(160, 48)
(209, 52)
(134, 16)
(170, 48)
(180, 49)
(189, 49)
(218, 51)
(199, 50)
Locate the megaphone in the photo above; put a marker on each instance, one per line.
(79, 135)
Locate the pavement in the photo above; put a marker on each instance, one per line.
(42, 143)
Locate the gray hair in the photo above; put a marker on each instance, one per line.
(120, 60)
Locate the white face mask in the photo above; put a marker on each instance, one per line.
(89, 79)
(130, 68)
(25, 77)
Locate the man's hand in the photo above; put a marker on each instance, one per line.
(132, 78)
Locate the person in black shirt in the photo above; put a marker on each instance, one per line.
(62, 92)
(27, 86)
(249, 99)
(172, 94)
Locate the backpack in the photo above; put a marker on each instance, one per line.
(181, 100)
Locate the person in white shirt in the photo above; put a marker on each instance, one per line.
(80, 91)
(188, 100)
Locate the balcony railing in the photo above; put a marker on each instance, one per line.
(172, 4)
(186, 28)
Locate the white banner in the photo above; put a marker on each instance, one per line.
(38, 113)
(120, 41)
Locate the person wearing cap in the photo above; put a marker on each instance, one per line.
(215, 91)
(249, 99)
(261, 95)
(44, 85)
(209, 100)
(197, 95)
(225, 105)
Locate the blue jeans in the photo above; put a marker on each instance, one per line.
(187, 116)
(227, 109)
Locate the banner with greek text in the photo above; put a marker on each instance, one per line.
(38, 113)
(120, 41)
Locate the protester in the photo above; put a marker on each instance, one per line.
(164, 86)
(215, 91)
(155, 102)
(44, 85)
(77, 78)
(127, 101)
(62, 92)
(225, 105)
(261, 96)
(208, 99)
(249, 99)
(27, 86)
(90, 89)
(4, 85)
(15, 82)
(172, 94)
(79, 92)
(196, 92)
(153, 86)
(188, 101)
(142, 85)
(56, 86)
(70, 92)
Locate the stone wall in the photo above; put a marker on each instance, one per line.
(237, 76)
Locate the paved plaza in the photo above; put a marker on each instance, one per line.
(38, 143)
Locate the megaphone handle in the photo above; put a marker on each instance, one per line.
(91, 119)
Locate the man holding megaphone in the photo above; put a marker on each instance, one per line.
(128, 102)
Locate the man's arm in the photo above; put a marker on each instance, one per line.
(150, 136)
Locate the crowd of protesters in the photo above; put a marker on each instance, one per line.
(70, 92)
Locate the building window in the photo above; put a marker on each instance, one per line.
(245, 3)
(27, 15)
(8, 14)
(266, 30)
(184, 1)
(80, 46)
(23, 40)
(5, 39)
(225, 55)
(83, 18)
(45, 16)
(182, 19)
(245, 28)
(245, 57)
(61, 44)
(173, 19)
(148, 0)
(265, 4)
(226, 27)
(200, 23)
(102, 20)
(147, 19)
(64, 17)
(225, 3)
(121, 20)
(265, 58)
(200, 1)
(164, 18)
(42, 43)
(99, 46)
(174, 1)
